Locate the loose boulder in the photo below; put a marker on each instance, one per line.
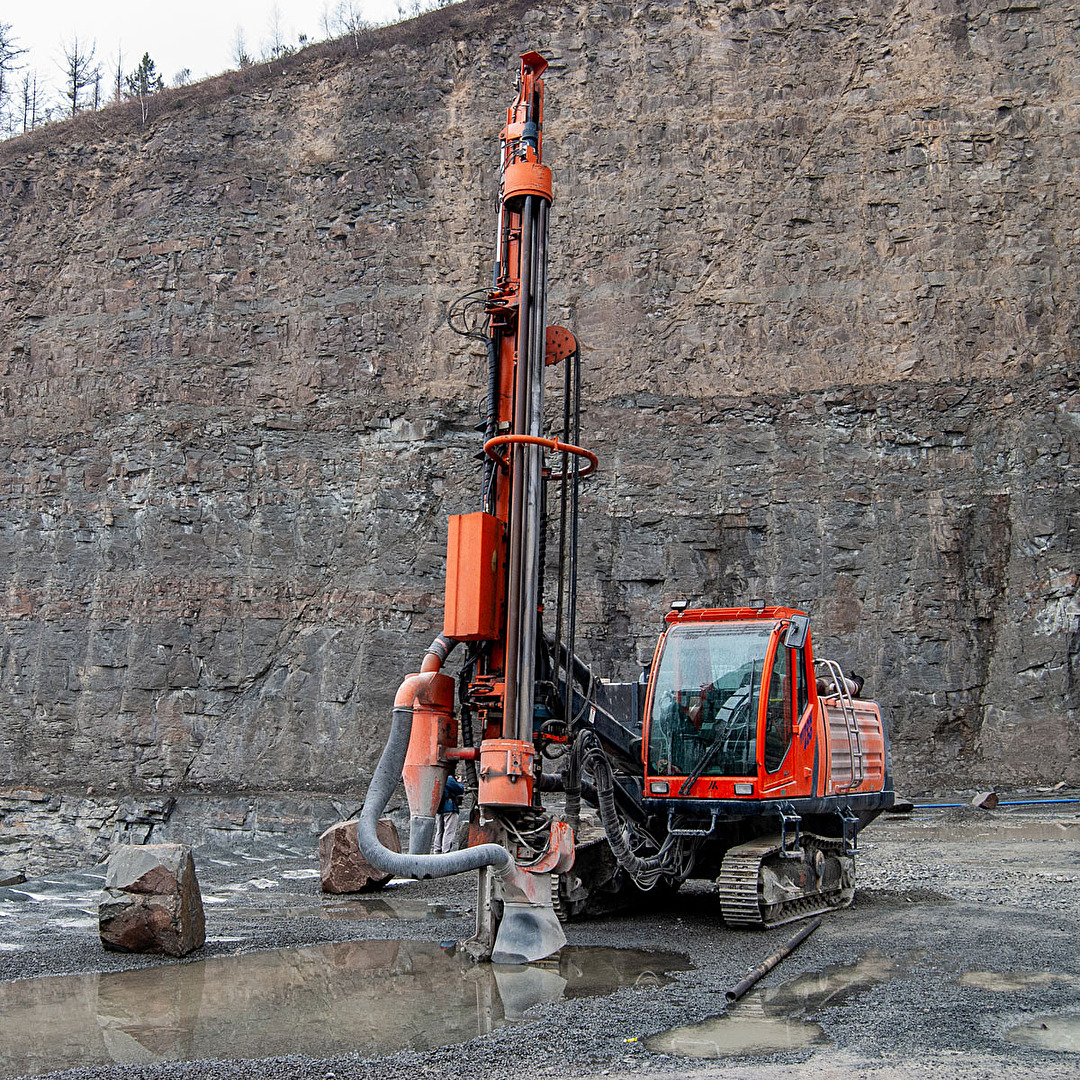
(341, 866)
(151, 901)
(987, 800)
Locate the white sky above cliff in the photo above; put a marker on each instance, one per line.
(195, 34)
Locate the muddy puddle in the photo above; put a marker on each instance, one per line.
(361, 910)
(68, 902)
(1048, 1033)
(965, 832)
(78, 888)
(371, 997)
(776, 1018)
(1012, 982)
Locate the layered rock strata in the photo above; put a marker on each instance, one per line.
(822, 265)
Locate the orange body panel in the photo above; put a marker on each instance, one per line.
(473, 594)
(855, 763)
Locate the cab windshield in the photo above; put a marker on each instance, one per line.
(704, 713)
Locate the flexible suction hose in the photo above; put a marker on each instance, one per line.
(385, 780)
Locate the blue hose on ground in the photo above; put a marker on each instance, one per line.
(1003, 802)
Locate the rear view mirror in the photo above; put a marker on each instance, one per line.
(797, 632)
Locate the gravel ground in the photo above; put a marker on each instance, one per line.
(965, 926)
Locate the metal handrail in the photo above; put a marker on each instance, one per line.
(851, 720)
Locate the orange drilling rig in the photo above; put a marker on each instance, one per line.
(740, 757)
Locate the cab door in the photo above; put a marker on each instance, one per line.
(785, 702)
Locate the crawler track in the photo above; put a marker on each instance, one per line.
(820, 879)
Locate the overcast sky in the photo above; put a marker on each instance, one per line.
(195, 34)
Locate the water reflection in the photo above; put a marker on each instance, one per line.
(372, 997)
(1000, 831)
(1049, 1033)
(773, 1018)
(370, 908)
(1012, 982)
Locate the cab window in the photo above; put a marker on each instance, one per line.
(704, 712)
(802, 692)
(778, 711)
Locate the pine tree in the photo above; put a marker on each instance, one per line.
(143, 83)
(80, 71)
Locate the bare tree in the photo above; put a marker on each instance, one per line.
(36, 109)
(240, 54)
(276, 46)
(327, 22)
(275, 43)
(349, 22)
(9, 55)
(118, 76)
(79, 73)
(29, 101)
(182, 77)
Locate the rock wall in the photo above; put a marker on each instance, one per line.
(822, 264)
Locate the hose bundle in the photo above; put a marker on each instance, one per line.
(672, 859)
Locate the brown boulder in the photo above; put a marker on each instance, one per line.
(151, 901)
(342, 868)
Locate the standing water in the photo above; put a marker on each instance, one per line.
(371, 997)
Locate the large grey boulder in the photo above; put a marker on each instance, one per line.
(151, 901)
(343, 868)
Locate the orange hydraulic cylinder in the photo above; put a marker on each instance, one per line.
(506, 773)
(434, 731)
(526, 178)
(473, 578)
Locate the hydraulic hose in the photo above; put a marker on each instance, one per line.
(491, 425)
(572, 784)
(436, 654)
(385, 781)
(644, 872)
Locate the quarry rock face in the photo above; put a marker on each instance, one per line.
(822, 264)
(151, 902)
(342, 868)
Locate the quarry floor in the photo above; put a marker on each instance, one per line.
(960, 957)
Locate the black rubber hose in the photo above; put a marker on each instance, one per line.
(490, 421)
(613, 826)
(383, 783)
(581, 671)
(572, 784)
(472, 780)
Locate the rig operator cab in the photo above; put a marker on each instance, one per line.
(762, 754)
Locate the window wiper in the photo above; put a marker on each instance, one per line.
(723, 733)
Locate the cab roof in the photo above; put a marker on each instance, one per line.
(733, 614)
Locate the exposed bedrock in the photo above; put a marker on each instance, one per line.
(823, 267)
